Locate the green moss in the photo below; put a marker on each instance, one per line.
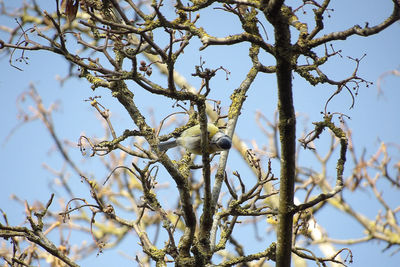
(237, 98)
(250, 22)
(95, 81)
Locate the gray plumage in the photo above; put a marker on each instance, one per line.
(167, 145)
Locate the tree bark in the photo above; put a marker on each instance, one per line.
(276, 14)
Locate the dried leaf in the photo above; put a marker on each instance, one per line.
(63, 4)
(71, 9)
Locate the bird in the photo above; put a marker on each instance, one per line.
(190, 139)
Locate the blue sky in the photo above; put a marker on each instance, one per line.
(373, 119)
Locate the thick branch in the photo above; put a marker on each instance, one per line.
(287, 130)
(207, 216)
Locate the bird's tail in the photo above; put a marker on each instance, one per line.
(167, 145)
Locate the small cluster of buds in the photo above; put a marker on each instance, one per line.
(147, 69)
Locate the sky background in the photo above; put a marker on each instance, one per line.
(374, 118)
